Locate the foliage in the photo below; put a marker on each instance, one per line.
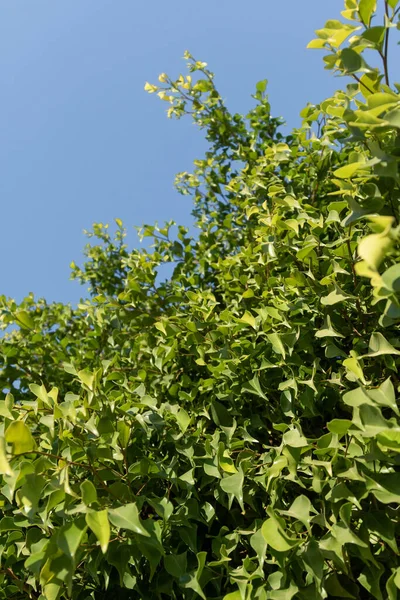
(232, 432)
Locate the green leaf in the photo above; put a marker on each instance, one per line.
(164, 508)
(300, 509)
(183, 419)
(294, 439)
(344, 535)
(29, 494)
(277, 344)
(366, 8)
(5, 467)
(381, 525)
(233, 486)
(370, 579)
(314, 560)
(70, 536)
(192, 580)
(316, 44)
(384, 395)
(393, 118)
(261, 86)
(233, 596)
(391, 278)
(368, 83)
(338, 587)
(389, 438)
(40, 392)
(148, 87)
(335, 32)
(339, 426)
(349, 170)
(248, 294)
(99, 524)
(374, 248)
(259, 544)
(385, 487)
(6, 407)
(127, 517)
(328, 330)
(379, 345)
(9, 524)
(275, 536)
(124, 433)
(19, 436)
(336, 296)
(376, 35)
(24, 319)
(176, 564)
(381, 98)
(52, 590)
(353, 366)
(393, 584)
(89, 493)
(284, 594)
(351, 61)
(358, 211)
(86, 378)
(221, 415)
(248, 319)
(253, 387)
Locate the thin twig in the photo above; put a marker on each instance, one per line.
(386, 46)
(353, 270)
(22, 584)
(362, 83)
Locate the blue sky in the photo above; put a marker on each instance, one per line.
(81, 142)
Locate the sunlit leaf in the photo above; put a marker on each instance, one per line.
(98, 522)
(276, 537)
(19, 436)
(127, 517)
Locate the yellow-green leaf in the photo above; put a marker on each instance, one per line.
(127, 517)
(373, 249)
(87, 378)
(248, 319)
(276, 537)
(183, 419)
(20, 437)
(366, 8)
(99, 524)
(349, 170)
(353, 366)
(24, 319)
(317, 44)
(149, 87)
(89, 493)
(5, 468)
(378, 345)
(277, 344)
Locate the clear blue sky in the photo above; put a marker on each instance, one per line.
(80, 141)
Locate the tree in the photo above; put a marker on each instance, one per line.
(233, 431)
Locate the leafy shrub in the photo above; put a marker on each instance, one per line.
(232, 432)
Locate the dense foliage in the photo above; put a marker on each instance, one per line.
(232, 432)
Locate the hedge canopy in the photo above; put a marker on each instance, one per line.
(231, 432)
